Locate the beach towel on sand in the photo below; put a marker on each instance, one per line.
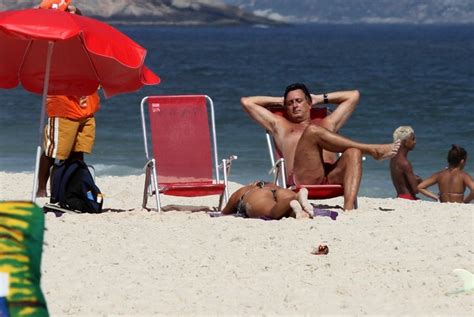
(316, 211)
(21, 246)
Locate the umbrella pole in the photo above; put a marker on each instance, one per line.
(42, 119)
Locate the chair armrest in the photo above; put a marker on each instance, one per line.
(226, 165)
(278, 170)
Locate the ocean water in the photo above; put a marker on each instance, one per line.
(421, 76)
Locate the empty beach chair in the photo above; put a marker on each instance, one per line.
(278, 162)
(181, 161)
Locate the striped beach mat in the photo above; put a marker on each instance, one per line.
(21, 246)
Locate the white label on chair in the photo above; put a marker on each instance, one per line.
(4, 284)
(155, 107)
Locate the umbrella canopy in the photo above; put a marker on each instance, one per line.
(57, 53)
(86, 53)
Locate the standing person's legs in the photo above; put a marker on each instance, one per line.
(59, 138)
(84, 139)
(76, 156)
(43, 174)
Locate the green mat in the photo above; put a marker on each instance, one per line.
(21, 246)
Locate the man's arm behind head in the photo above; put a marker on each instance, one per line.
(256, 108)
(346, 102)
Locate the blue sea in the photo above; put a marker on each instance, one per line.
(421, 76)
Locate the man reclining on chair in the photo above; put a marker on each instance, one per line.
(309, 149)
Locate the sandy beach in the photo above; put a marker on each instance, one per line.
(390, 257)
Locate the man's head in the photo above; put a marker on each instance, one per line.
(456, 156)
(297, 101)
(63, 5)
(55, 4)
(406, 135)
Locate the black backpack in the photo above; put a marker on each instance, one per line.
(73, 187)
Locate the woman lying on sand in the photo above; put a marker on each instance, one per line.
(452, 181)
(269, 201)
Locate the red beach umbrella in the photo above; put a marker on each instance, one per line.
(57, 53)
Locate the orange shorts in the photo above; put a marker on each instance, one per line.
(63, 136)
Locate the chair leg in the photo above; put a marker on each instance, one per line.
(221, 202)
(147, 185)
(154, 178)
(356, 205)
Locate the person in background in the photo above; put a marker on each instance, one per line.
(452, 181)
(403, 177)
(70, 130)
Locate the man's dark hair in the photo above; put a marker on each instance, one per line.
(456, 155)
(297, 86)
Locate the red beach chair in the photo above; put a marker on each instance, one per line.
(278, 169)
(181, 161)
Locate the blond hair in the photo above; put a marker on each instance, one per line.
(402, 133)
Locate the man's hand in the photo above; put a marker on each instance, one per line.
(317, 99)
(346, 102)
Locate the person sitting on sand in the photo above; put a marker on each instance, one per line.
(403, 178)
(307, 147)
(452, 181)
(268, 201)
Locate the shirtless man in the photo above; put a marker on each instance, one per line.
(269, 201)
(306, 147)
(403, 178)
(452, 181)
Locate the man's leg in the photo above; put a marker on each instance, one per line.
(59, 137)
(348, 171)
(308, 167)
(43, 174)
(76, 156)
(336, 143)
(84, 139)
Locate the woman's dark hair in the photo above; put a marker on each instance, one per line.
(297, 86)
(456, 155)
(73, 9)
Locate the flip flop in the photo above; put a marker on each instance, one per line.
(321, 250)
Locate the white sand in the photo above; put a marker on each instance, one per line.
(137, 262)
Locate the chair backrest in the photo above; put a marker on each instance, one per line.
(181, 138)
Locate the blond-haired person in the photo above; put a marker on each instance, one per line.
(403, 177)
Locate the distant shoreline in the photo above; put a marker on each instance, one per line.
(205, 24)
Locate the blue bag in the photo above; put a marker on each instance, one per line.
(73, 187)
